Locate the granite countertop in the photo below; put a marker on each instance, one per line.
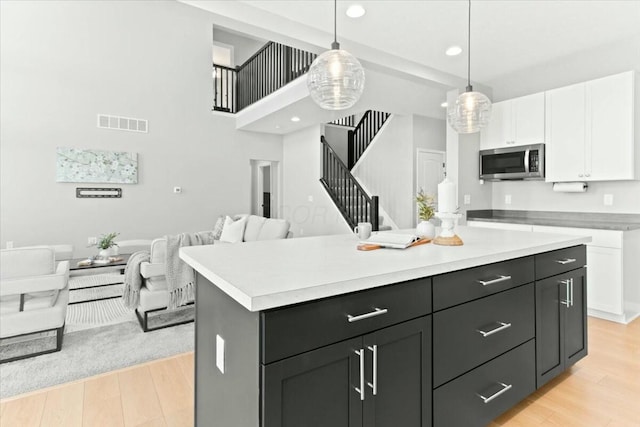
(268, 274)
(593, 220)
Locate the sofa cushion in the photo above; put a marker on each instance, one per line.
(155, 284)
(32, 301)
(274, 229)
(22, 262)
(233, 231)
(158, 249)
(254, 227)
(29, 321)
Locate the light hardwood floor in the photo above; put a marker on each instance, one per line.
(602, 390)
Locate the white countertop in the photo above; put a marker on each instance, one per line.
(270, 274)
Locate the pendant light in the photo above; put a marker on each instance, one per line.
(335, 78)
(472, 110)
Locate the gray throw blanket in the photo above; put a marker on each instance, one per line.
(180, 277)
(133, 278)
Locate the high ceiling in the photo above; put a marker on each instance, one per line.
(506, 35)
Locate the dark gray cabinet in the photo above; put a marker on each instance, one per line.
(379, 379)
(561, 323)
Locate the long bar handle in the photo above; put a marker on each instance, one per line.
(500, 278)
(377, 312)
(567, 283)
(361, 388)
(505, 388)
(493, 331)
(566, 261)
(374, 385)
(571, 293)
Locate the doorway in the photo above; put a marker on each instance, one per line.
(264, 188)
(430, 166)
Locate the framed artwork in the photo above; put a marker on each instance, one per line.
(96, 166)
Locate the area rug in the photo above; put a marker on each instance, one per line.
(94, 351)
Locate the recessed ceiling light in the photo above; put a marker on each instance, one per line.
(295, 119)
(444, 104)
(355, 11)
(277, 126)
(453, 51)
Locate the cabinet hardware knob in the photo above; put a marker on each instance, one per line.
(493, 281)
(565, 261)
(504, 389)
(361, 388)
(374, 384)
(377, 312)
(502, 327)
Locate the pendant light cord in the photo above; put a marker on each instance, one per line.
(469, 88)
(335, 44)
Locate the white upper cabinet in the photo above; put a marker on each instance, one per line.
(517, 121)
(590, 130)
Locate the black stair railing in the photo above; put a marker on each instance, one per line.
(345, 121)
(266, 71)
(363, 134)
(352, 201)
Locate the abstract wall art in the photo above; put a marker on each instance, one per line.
(97, 166)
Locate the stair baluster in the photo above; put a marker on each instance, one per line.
(363, 134)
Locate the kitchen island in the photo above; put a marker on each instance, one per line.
(311, 331)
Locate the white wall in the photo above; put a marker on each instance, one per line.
(338, 139)
(606, 60)
(301, 176)
(243, 47)
(64, 62)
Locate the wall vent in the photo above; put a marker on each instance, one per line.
(122, 123)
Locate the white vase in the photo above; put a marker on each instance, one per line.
(426, 229)
(106, 253)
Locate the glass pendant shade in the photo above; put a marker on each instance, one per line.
(470, 112)
(335, 80)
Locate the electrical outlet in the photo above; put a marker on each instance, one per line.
(9, 244)
(608, 199)
(467, 199)
(177, 190)
(507, 199)
(310, 199)
(92, 241)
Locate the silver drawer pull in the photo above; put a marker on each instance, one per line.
(494, 281)
(505, 388)
(377, 312)
(566, 261)
(360, 390)
(502, 327)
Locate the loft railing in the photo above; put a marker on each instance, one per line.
(269, 69)
(363, 134)
(224, 88)
(345, 121)
(352, 201)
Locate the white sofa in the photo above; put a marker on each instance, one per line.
(34, 294)
(153, 294)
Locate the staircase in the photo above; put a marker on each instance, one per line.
(351, 199)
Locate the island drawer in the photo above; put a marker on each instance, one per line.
(295, 329)
(468, 335)
(461, 286)
(557, 262)
(479, 396)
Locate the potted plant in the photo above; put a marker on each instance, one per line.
(107, 245)
(426, 211)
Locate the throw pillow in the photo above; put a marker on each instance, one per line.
(233, 231)
(217, 229)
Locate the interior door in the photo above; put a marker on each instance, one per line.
(430, 171)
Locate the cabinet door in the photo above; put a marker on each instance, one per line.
(609, 136)
(604, 284)
(565, 131)
(550, 335)
(528, 119)
(575, 328)
(314, 389)
(398, 371)
(498, 132)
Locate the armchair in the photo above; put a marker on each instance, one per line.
(34, 294)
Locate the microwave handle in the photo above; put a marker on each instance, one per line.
(526, 160)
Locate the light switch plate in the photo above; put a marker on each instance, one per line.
(507, 199)
(467, 199)
(608, 199)
(220, 353)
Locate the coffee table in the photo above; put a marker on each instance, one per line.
(98, 269)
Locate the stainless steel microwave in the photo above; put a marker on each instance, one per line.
(519, 162)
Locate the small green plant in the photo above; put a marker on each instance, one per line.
(107, 240)
(426, 205)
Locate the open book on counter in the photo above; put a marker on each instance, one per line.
(392, 240)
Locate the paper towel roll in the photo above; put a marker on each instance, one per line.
(570, 187)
